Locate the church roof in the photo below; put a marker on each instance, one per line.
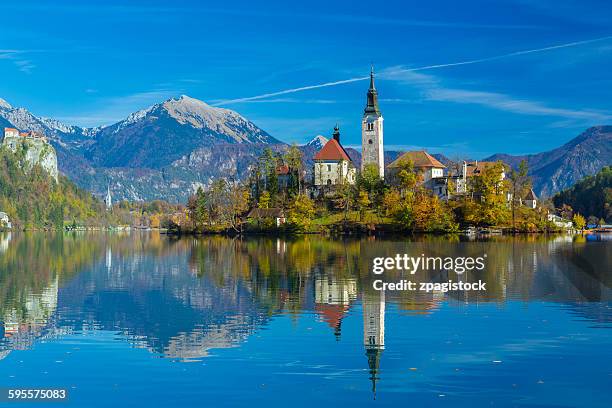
(266, 213)
(332, 151)
(419, 159)
(531, 195)
(332, 314)
(476, 168)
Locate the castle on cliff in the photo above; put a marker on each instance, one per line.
(38, 150)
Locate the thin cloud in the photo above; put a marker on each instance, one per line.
(16, 57)
(432, 89)
(423, 68)
(290, 91)
(521, 106)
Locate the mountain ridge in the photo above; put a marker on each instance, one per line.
(560, 168)
(171, 148)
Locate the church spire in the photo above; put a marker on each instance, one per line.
(372, 103)
(336, 134)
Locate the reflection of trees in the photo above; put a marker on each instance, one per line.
(31, 262)
(183, 296)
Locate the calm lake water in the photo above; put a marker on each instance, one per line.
(150, 320)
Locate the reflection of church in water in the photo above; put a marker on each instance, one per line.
(374, 331)
(333, 298)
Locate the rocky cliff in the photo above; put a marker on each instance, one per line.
(36, 150)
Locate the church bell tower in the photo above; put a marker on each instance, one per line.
(372, 148)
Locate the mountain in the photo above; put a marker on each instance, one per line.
(591, 196)
(165, 151)
(170, 149)
(166, 132)
(560, 168)
(317, 142)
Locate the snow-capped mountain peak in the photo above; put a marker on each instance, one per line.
(4, 104)
(317, 142)
(133, 118)
(57, 125)
(188, 110)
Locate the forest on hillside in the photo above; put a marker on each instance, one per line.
(591, 196)
(33, 200)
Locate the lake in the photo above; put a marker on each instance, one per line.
(142, 319)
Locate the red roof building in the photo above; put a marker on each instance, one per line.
(332, 151)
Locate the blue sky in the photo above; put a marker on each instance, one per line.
(93, 63)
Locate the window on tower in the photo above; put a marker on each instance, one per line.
(370, 141)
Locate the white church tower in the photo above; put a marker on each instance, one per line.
(372, 148)
(108, 200)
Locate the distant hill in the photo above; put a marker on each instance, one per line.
(165, 151)
(170, 149)
(560, 168)
(591, 196)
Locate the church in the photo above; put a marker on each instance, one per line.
(334, 166)
(372, 147)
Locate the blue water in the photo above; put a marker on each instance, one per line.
(153, 321)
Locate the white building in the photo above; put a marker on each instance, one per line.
(560, 222)
(372, 147)
(531, 201)
(332, 164)
(5, 222)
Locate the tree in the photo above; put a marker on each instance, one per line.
(579, 221)
(237, 205)
(301, 212)
(344, 197)
(399, 208)
(566, 212)
(520, 184)
(363, 201)
(369, 181)
(269, 161)
(432, 215)
(392, 202)
(489, 204)
(408, 177)
(264, 200)
(198, 209)
(293, 159)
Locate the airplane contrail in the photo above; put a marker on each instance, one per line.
(423, 68)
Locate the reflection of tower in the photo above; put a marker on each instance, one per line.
(332, 298)
(109, 259)
(374, 331)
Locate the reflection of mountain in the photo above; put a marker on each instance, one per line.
(182, 298)
(157, 303)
